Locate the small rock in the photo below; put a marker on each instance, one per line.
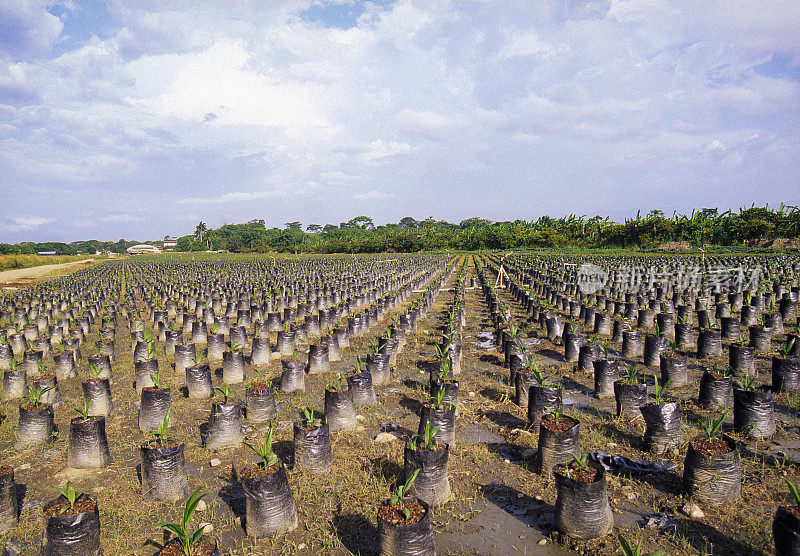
(611, 445)
(520, 495)
(385, 437)
(359, 417)
(49, 454)
(506, 460)
(471, 394)
(23, 467)
(99, 488)
(693, 510)
(207, 528)
(137, 404)
(201, 506)
(238, 521)
(360, 428)
(301, 546)
(542, 542)
(214, 462)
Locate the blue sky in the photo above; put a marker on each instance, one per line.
(138, 118)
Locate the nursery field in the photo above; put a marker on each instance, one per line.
(570, 399)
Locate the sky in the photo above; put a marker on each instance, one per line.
(137, 119)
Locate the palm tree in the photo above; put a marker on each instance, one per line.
(200, 231)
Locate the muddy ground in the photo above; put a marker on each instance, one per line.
(499, 506)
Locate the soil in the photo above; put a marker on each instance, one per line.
(588, 474)
(305, 427)
(717, 376)
(80, 506)
(259, 386)
(5, 470)
(34, 406)
(203, 548)
(153, 388)
(258, 471)
(563, 424)
(156, 445)
(391, 514)
(435, 448)
(93, 380)
(711, 446)
(82, 420)
(45, 377)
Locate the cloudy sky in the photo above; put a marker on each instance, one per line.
(139, 118)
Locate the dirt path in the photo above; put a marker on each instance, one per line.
(21, 277)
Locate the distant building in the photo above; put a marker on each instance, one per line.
(143, 249)
(170, 243)
(46, 253)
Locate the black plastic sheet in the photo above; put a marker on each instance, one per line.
(431, 485)
(617, 463)
(269, 505)
(582, 509)
(72, 535)
(312, 449)
(164, 473)
(411, 539)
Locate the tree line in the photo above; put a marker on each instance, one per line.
(361, 235)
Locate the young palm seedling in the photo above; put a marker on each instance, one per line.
(187, 540)
(659, 391)
(71, 495)
(264, 451)
(400, 492)
(160, 433)
(628, 549)
(712, 426)
(83, 410)
(426, 441)
(226, 393)
(749, 382)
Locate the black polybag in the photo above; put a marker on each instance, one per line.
(674, 367)
(715, 393)
(340, 411)
(154, 405)
(261, 405)
(754, 412)
(378, 366)
(143, 370)
(88, 444)
(582, 509)
(360, 385)
(450, 390)
(407, 539)
(318, 359)
(662, 427)
(312, 449)
(785, 374)
(431, 485)
(540, 399)
(71, 535)
(630, 398)
(9, 505)
(98, 393)
(556, 448)
(198, 381)
(163, 473)
(605, 374)
(293, 376)
(224, 426)
(269, 504)
(35, 426)
(786, 532)
(741, 359)
(441, 419)
(713, 479)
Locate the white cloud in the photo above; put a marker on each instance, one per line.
(379, 150)
(26, 223)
